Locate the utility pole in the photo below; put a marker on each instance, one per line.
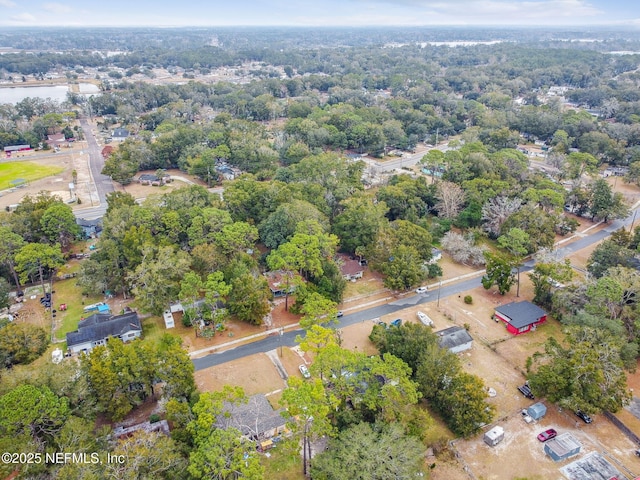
(439, 287)
(280, 338)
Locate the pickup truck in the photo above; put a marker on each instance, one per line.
(526, 391)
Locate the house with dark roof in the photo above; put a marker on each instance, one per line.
(98, 328)
(90, 228)
(520, 317)
(226, 172)
(256, 419)
(350, 269)
(455, 339)
(120, 135)
(151, 179)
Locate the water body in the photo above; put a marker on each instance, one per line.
(14, 95)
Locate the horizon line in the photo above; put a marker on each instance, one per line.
(456, 25)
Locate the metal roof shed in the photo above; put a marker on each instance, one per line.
(537, 410)
(562, 447)
(455, 339)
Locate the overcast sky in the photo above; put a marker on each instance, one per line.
(318, 12)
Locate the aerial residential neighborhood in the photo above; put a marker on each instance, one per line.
(283, 252)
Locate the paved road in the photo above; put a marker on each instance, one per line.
(288, 339)
(407, 160)
(103, 183)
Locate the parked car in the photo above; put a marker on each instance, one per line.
(526, 391)
(397, 322)
(340, 313)
(421, 290)
(583, 416)
(547, 435)
(304, 371)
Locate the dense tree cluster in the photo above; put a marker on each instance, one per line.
(459, 397)
(309, 107)
(54, 409)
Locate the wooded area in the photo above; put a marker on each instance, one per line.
(313, 104)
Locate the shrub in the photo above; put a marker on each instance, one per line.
(187, 318)
(468, 299)
(154, 417)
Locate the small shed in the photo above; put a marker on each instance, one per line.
(494, 436)
(455, 339)
(537, 410)
(562, 447)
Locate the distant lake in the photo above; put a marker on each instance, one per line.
(55, 92)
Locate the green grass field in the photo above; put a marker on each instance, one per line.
(28, 171)
(67, 292)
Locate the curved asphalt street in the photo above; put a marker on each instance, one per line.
(288, 338)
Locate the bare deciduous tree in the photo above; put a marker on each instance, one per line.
(451, 197)
(496, 211)
(462, 249)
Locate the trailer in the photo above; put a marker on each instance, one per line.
(494, 436)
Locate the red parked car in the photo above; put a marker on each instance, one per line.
(547, 435)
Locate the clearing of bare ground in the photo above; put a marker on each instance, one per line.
(261, 373)
(179, 179)
(521, 455)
